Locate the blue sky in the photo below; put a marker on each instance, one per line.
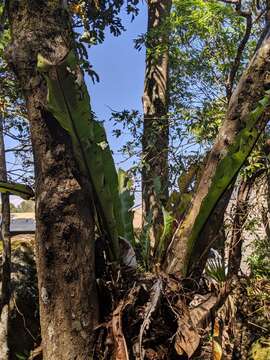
(121, 71)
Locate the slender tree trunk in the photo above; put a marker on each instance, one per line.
(241, 213)
(65, 227)
(6, 254)
(266, 222)
(155, 139)
(251, 88)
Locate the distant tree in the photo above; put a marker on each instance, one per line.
(26, 206)
(13, 208)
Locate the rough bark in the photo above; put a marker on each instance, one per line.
(6, 254)
(155, 140)
(241, 213)
(250, 89)
(64, 217)
(266, 222)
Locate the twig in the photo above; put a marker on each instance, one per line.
(24, 322)
(261, 327)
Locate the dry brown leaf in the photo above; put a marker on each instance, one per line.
(200, 313)
(187, 338)
(121, 352)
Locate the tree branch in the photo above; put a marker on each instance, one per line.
(237, 60)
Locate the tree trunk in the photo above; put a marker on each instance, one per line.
(241, 213)
(250, 90)
(240, 217)
(266, 222)
(155, 140)
(64, 217)
(6, 254)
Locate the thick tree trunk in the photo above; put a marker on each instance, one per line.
(64, 228)
(6, 254)
(155, 139)
(251, 88)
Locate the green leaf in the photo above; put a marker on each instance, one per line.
(21, 190)
(168, 220)
(144, 240)
(127, 202)
(69, 102)
(21, 357)
(216, 270)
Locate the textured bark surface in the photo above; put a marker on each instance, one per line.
(65, 229)
(155, 140)
(5, 237)
(241, 214)
(249, 91)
